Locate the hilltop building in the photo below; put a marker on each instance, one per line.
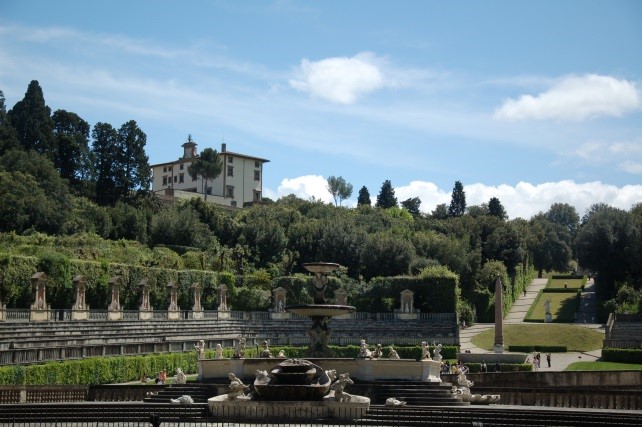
(240, 182)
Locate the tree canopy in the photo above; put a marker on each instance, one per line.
(208, 166)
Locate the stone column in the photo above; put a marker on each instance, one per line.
(39, 308)
(279, 305)
(499, 317)
(145, 310)
(197, 308)
(173, 311)
(80, 310)
(223, 311)
(114, 311)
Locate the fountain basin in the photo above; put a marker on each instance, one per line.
(320, 310)
(321, 267)
(284, 410)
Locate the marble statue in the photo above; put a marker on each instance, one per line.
(393, 353)
(364, 352)
(219, 351)
(200, 349)
(180, 377)
(183, 400)
(262, 377)
(281, 354)
(265, 353)
(391, 401)
(437, 353)
(425, 351)
(378, 352)
(239, 349)
(339, 385)
(462, 389)
(547, 305)
(236, 388)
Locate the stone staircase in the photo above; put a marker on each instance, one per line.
(199, 392)
(411, 392)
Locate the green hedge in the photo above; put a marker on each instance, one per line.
(98, 370)
(431, 294)
(622, 355)
(475, 368)
(540, 348)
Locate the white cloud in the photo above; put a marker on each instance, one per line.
(341, 80)
(524, 199)
(305, 187)
(574, 98)
(631, 167)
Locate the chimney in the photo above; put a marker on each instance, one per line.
(223, 147)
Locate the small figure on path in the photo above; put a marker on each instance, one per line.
(548, 359)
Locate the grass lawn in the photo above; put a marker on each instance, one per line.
(575, 338)
(573, 284)
(603, 366)
(563, 306)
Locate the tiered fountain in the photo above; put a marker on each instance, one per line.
(320, 312)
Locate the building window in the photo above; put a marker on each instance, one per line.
(257, 164)
(229, 191)
(257, 175)
(257, 196)
(194, 178)
(164, 180)
(230, 159)
(182, 166)
(175, 178)
(233, 203)
(230, 171)
(209, 190)
(164, 168)
(181, 178)
(170, 168)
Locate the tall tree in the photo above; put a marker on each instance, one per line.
(457, 201)
(72, 158)
(105, 154)
(208, 166)
(386, 198)
(364, 197)
(495, 208)
(412, 206)
(564, 215)
(134, 172)
(32, 120)
(8, 134)
(339, 188)
(440, 211)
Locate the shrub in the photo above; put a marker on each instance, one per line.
(622, 355)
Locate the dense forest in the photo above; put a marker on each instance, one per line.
(61, 177)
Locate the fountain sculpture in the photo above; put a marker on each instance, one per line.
(320, 312)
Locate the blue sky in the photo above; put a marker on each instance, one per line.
(532, 102)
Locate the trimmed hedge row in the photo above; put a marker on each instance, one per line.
(540, 348)
(475, 368)
(98, 370)
(622, 355)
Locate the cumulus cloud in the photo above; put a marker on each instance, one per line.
(341, 80)
(525, 199)
(574, 98)
(305, 187)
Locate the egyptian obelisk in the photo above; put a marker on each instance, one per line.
(499, 319)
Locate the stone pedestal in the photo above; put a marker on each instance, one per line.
(173, 312)
(145, 310)
(40, 310)
(114, 311)
(226, 314)
(3, 311)
(431, 371)
(222, 297)
(548, 318)
(498, 348)
(80, 310)
(406, 316)
(198, 314)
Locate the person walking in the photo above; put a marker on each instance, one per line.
(548, 359)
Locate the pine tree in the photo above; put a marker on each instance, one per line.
(208, 166)
(8, 135)
(458, 201)
(495, 208)
(364, 197)
(32, 120)
(386, 198)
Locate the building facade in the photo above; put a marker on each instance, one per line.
(240, 182)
